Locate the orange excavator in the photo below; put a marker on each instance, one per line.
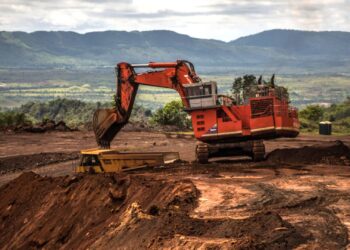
(222, 125)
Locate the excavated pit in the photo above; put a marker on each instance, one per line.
(25, 162)
(334, 153)
(120, 211)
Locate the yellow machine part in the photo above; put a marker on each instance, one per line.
(107, 160)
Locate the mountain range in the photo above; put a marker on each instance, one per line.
(281, 51)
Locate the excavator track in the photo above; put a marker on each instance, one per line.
(258, 150)
(202, 153)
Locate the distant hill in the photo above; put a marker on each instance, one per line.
(327, 52)
(331, 43)
(275, 50)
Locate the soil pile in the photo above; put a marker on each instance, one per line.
(136, 126)
(125, 211)
(265, 230)
(45, 126)
(21, 162)
(334, 153)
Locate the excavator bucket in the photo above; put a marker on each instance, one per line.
(106, 124)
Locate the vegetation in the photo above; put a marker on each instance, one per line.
(285, 50)
(74, 112)
(244, 87)
(338, 114)
(78, 113)
(247, 86)
(172, 114)
(13, 119)
(19, 87)
(312, 113)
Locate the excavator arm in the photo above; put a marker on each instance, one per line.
(173, 75)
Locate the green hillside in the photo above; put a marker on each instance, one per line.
(284, 51)
(43, 66)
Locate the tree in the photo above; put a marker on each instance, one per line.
(172, 114)
(12, 118)
(312, 113)
(237, 85)
(282, 92)
(331, 118)
(245, 87)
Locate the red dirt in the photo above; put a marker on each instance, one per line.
(26, 162)
(104, 211)
(335, 153)
(44, 126)
(293, 200)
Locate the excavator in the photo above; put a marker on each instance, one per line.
(222, 125)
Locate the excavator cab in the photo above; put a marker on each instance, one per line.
(201, 95)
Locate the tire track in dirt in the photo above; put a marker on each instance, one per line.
(311, 208)
(27, 162)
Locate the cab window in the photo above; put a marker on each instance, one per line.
(90, 160)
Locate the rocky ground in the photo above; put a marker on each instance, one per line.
(298, 198)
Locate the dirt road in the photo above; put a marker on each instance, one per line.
(228, 204)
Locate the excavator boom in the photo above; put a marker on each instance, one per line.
(174, 75)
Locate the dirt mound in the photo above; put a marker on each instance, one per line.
(136, 126)
(45, 126)
(21, 162)
(334, 153)
(265, 230)
(120, 211)
(87, 211)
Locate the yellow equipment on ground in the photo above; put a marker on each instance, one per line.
(109, 160)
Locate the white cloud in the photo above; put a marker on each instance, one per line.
(64, 18)
(218, 19)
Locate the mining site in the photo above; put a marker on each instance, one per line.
(213, 124)
(297, 198)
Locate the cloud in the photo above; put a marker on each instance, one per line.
(219, 19)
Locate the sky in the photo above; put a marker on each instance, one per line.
(214, 19)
